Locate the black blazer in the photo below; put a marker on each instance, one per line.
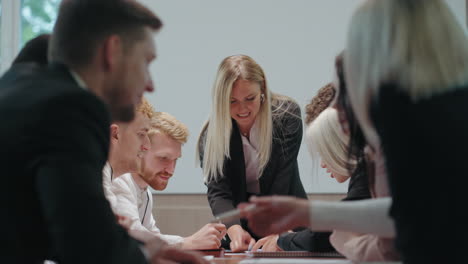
(54, 140)
(425, 144)
(280, 176)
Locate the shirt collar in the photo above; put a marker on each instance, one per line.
(78, 80)
(108, 170)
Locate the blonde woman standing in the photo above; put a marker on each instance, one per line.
(250, 143)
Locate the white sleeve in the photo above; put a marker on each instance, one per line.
(364, 216)
(170, 239)
(127, 205)
(107, 185)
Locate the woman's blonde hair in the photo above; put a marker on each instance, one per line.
(165, 123)
(219, 125)
(416, 45)
(325, 137)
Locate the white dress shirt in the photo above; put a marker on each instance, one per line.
(107, 177)
(137, 205)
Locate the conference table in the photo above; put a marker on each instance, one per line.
(244, 258)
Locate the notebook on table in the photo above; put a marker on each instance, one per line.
(294, 254)
(294, 261)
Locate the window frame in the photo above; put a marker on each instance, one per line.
(11, 32)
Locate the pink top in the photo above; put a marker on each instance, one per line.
(380, 188)
(368, 247)
(251, 159)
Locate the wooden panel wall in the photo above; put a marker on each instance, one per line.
(184, 214)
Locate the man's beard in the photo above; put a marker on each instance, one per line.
(156, 183)
(164, 174)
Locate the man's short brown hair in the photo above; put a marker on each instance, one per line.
(82, 24)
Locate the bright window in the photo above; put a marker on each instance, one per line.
(22, 20)
(37, 17)
(0, 29)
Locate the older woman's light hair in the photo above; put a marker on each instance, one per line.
(325, 137)
(416, 45)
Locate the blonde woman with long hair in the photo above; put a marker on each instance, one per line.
(326, 138)
(249, 145)
(406, 67)
(327, 142)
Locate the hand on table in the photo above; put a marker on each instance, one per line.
(276, 214)
(240, 239)
(208, 237)
(267, 244)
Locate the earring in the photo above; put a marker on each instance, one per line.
(262, 98)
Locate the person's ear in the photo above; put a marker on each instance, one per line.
(112, 52)
(114, 132)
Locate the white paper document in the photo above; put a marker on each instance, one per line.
(294, 261)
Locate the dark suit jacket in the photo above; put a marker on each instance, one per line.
(280, 176)
(54, 140)
(425, 144)
(308, 240)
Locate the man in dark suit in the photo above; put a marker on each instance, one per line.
(54, 137)
(34, 51)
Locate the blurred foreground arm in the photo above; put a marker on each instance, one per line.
(277, 214)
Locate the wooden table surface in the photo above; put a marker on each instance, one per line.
(236, 258)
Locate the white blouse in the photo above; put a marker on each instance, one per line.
(250, 148)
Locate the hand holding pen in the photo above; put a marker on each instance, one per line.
(241, 240)
(232, 215)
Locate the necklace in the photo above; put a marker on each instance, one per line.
(245, 134)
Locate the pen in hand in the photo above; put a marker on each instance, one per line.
(250, 247)
(231, 215)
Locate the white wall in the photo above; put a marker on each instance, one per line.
(294, 41)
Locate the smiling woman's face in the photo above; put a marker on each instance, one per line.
(245, 102)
